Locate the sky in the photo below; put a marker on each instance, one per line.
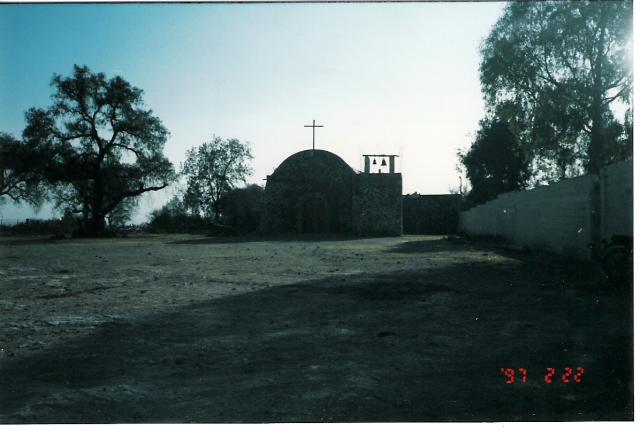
(395, 78)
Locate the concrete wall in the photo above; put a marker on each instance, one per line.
(563, 217)
(616, 199)
(430, 214)
(377, 204)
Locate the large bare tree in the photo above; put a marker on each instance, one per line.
(97, 145)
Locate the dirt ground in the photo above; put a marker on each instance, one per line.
(194, 329)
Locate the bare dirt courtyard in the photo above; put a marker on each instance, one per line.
(196, 329)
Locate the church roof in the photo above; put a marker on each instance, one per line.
(312, 158)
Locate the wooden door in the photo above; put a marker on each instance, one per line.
(315, 218)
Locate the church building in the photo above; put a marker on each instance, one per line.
(316, 191)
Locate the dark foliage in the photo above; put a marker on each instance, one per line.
(241, 208)
(18, 180)
(553, 71)
(212, 169)
(55, 227)
(496, 163)
(173, 218)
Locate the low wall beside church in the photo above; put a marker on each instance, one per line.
(377, 204)
(430, 213)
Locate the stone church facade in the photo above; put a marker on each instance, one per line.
(315, 191)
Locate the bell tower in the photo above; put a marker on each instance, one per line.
(381, 163)
(377, 197)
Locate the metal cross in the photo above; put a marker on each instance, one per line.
(314, 126)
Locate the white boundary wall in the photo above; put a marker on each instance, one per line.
(616, 199)
(562, 217)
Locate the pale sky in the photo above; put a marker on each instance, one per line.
(382, 78)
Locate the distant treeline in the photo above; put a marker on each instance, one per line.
(239, 214)
(98, 148)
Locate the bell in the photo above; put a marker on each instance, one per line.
(374, 161)
(384, 162)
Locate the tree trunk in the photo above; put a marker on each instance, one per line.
(216, 211)
(98, 226)
(596, 146)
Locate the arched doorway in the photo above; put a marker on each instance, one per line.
(315, 217)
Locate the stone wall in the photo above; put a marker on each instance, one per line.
(430, 214)
(562, 217)
(317, 188)
(377, 204)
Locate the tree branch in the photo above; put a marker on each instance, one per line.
(608, 100)
(135, 151)
(132, 193)
(65, 137)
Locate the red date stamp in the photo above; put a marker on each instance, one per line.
(568, 375)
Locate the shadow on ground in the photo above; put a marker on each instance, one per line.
(570, 266)
(404, 346)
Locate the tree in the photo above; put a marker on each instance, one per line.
(174, 218)
(122, 213)
(241, 207)
(97, 145)
(496, 162)
(553, 70)
(18, 181)
(212, 169)
(192, 196)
